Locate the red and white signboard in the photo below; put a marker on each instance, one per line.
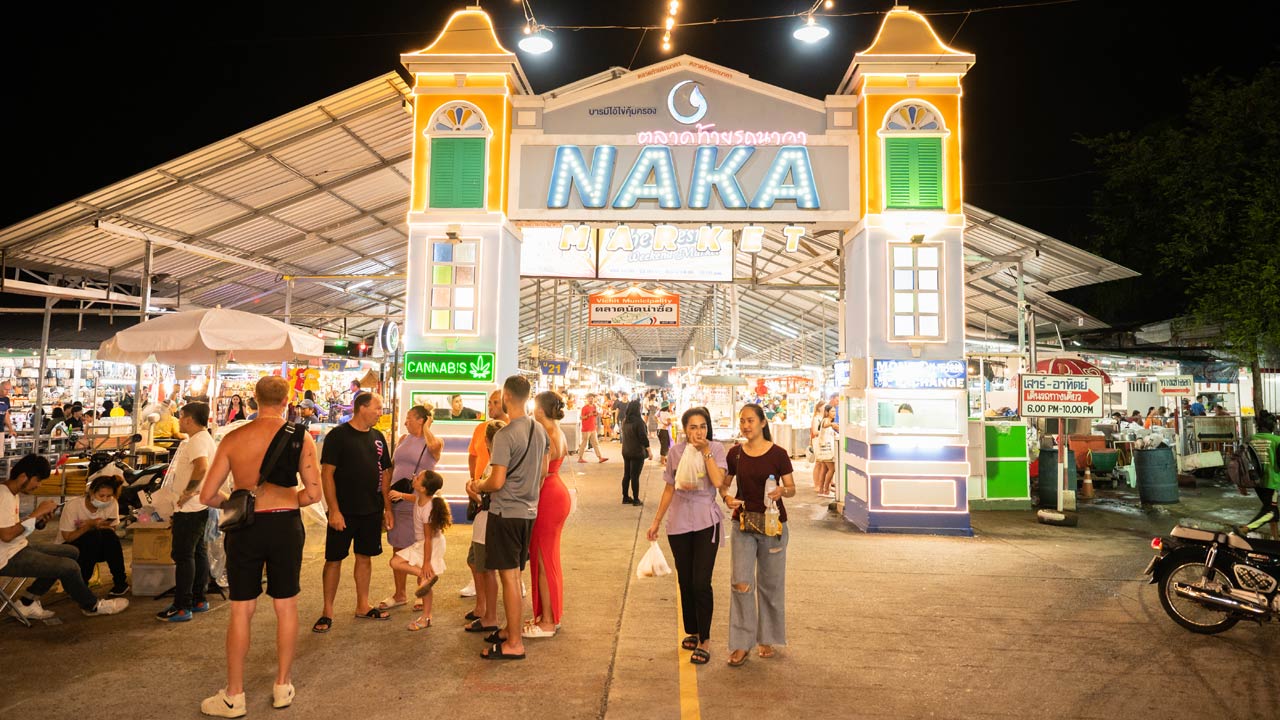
(1178, 386)
(633, 307)
(1060, 396)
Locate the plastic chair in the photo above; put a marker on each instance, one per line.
(9, 589)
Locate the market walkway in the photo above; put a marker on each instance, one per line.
(1023, 620)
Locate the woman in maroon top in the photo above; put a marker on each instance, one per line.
(757, 610)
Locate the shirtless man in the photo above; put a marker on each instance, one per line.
(274, 540)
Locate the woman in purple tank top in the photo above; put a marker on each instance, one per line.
(417, 450)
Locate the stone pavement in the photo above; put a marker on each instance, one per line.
(1023, 620)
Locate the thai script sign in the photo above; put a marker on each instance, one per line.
(1060, 396)
(633, 307)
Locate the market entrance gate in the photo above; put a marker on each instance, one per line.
(673, 173)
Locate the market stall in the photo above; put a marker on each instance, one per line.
(1001, 445)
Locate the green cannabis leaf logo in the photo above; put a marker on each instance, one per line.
(481, 368)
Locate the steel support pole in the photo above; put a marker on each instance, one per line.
(288, 302)
(143, 304)
(37, 412)
(1022, 328)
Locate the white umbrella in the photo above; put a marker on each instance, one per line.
(211, 336)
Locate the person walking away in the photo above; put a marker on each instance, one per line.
(425, 557)
(635, 450)
(695, 471)
(417, 450)
(554, 504)
(271, 543)
(484, 583)
(815, 429)
(664, 430)
(190, 518)
(484, 618)
(1266, 445)
(47, 564)
(590, 435)
(757, 612)
(519, 462)
(354, 467)
(89, 523)
(6, 417)
(619, 415)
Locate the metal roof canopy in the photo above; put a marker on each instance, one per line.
(324, 190)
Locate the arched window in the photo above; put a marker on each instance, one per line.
(459, 134)
(912, 134)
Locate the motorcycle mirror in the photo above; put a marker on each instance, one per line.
(136, 438)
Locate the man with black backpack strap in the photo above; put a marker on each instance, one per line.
(266, 458)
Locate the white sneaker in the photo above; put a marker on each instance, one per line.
(107, 606)
(469, 590)
(224, 705)
(282, 695)
(34, 611)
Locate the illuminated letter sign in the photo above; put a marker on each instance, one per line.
(790, 161)
(569, 169)
(654, 160)
(723, 178)
(449, 367)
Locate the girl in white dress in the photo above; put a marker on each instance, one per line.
(425, 558)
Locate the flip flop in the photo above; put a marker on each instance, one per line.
(690, 642)
(470, 616)
(495, 653)
(389, 602)
(374, 614)
(476, 626)
(740, 661)
(426, 588)
(495, 637)
(326, 622)
(700, 657)
(767, 653)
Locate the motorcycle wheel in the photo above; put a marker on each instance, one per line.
(1186, 612)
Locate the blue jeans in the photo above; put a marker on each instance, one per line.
(757, 615)
(50, 564)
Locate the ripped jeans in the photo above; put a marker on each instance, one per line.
(757, 615)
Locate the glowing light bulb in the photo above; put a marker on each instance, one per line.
(536, 44)
(671, 22)
(829, 4)
(666, 45)
(527, 29)
(674, 6)
(666, 37)
(811, 32)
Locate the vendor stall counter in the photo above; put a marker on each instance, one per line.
(999, 475)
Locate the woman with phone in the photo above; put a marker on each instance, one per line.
(89, 523)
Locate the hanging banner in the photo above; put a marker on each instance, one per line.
(558, 368)
(665, 252)
(567, 251)
(634, 307)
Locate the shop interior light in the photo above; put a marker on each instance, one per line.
(811, 32)
(535, 44)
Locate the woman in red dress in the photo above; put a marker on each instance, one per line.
(553, 510)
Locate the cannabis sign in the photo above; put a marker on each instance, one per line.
(448, 366)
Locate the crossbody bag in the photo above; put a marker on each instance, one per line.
(473, 507)
(238, 508)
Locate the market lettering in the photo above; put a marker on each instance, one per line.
(653, 177)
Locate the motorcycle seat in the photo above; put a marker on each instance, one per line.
(1270, 547)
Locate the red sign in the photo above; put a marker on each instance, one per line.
(633, 307)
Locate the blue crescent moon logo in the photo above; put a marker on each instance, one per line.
(696, 99)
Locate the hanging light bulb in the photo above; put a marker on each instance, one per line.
(527, 29)
(671, 22)
(674, 6)
(811, 32)
(829, 4)
(536, 43)
(666, 45)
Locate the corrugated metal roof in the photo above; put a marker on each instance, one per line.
(324, 190)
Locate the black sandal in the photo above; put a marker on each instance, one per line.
(690, 642)
(470, 616)
(495, 637)
(323, 625)
(700, 657)
(476, 626)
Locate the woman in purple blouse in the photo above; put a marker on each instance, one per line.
(695, 472)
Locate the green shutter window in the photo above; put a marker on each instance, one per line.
(457, 172)
(914, 172)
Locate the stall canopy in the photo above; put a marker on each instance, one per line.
(303, 218)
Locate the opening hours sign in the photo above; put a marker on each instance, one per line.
(1060, 396)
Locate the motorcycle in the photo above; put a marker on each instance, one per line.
(135, 481)
(1209, 581)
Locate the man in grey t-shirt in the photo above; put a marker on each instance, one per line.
(518, 465)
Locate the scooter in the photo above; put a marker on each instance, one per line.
(1209, 581)
(135, 481)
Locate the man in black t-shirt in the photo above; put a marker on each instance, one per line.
(355, 463)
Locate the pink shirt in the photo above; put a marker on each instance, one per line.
(693, 510)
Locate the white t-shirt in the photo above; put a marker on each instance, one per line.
(422, 516)
(197, 446)
(9, 517)
(75, 514)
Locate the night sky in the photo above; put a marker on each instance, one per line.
(99, 93)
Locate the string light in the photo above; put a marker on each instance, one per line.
(811, 32)
(673, 7)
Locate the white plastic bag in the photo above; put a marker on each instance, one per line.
(691, 470)
(653, 564)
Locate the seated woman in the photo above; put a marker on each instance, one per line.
(89, 524)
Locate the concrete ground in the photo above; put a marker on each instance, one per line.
(1022, 620)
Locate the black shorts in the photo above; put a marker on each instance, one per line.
(364, 530)
(506, 542)
(273, 541)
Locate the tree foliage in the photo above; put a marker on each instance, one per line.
(1202, 195)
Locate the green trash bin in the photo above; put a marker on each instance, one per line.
(1048, 478)
(1157, 476)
